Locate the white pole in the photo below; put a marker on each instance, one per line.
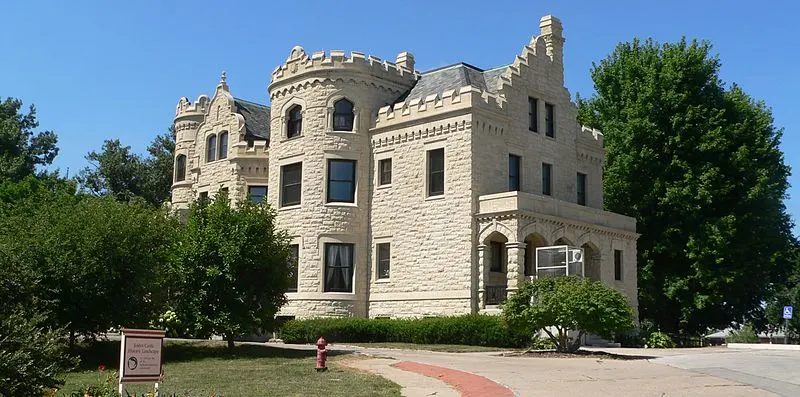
(156, 391)
(121, 389)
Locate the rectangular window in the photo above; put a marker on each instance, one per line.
(384, 172)
(436, 172)
(291, 184)
(513, 173)
(338, 267)
(211, 148)
(617, 265)
(294, 260)
(383, 255)
(533, 114)
(550, 120)
(257, 194)
(498, 256)
(581, 188)
(341, 181)
(203, 197)
(547, 179)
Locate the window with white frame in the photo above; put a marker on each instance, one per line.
(384, 172)
(338, 267)
(436, 172)
(384, 258)
(291, 184)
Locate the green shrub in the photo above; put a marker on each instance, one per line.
(32, 356)
(659, 340)
(473, 329)
(744, 335)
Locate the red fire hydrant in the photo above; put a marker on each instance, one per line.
(322, 354)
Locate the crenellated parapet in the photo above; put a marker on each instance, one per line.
(448, 101)
(188, 108)
(396, 76)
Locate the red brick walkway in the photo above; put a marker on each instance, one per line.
(469, 385)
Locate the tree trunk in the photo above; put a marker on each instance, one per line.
(229, 338)
(71, 340)
(576, 344)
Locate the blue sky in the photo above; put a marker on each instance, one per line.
(101, 70)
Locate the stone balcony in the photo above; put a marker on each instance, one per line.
(516, 202)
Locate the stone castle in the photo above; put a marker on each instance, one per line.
(412, 193)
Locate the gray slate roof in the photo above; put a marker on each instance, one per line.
(256, 118)
(453, 77)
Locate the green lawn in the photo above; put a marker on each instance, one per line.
(435, 348)
(204, 368)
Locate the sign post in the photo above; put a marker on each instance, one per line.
(787, 315)
(140, 357)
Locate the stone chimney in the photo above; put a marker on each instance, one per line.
(552, 32)
(405, 60)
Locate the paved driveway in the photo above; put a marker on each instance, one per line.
(528, 376)
(777, 371)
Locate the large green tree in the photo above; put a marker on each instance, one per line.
(232, 269)
(699, 167)
(89, 263)
(21, 148)
(118, 172)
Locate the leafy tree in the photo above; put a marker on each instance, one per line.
(699, 167)
(232, 269)
(22, 149)
(557, 305)
(118, 172)
(95, 263)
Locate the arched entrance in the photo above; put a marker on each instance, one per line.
(591, 262)
(532, 241)
(495, 268)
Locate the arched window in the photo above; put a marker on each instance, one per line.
(211, 148)
(343, 115)
(180, 168)
(294, 126)
(223, 145)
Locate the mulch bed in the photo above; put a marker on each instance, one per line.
(577, 354)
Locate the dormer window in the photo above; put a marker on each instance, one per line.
(294, 126)
(343, 115)
(211, 148)
(223, 145)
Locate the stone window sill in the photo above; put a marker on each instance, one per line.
(386, 186)
(383, 281)
(294, 138)
(290, 207)
(437, 197)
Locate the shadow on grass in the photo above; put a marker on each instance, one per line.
(93, 354)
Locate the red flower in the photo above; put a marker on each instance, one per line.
(101, 367)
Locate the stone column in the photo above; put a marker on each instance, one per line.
(515, 269)
(481, 277)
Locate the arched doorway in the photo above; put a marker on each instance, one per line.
(591, 262)
(495, 268)
(532, 241)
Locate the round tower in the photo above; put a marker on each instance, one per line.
(320, 170)
(188, 117)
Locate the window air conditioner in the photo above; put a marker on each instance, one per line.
(575, 256)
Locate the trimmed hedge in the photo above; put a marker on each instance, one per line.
(472, 329)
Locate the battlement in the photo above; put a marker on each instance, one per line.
(186, 108)
(299, 63)
(450, 100)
